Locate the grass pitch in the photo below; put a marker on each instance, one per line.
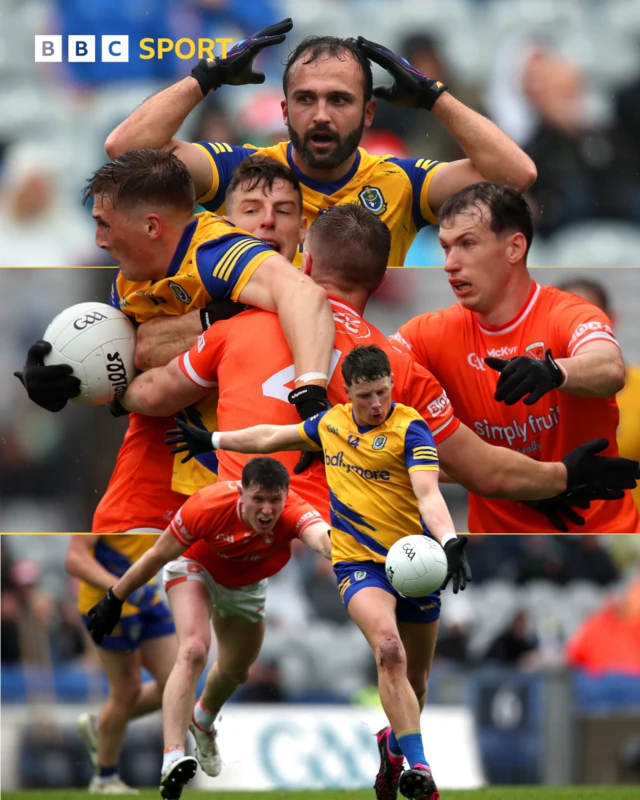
(490, 793)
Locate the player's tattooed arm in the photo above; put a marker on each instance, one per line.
(161, 339)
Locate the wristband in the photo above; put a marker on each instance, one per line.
(448, 537)
(312, 376)
(215, 440)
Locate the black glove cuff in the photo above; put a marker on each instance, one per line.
(113, 599)
(219, 310)
(309, 400)
(558, 376)
(431, 91)
(116, 409)
(209, 75)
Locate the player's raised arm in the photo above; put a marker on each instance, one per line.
(105, 615)
(492, 155)
(305, 315)
(258, 439)
(154, 123)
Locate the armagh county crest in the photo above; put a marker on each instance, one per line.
(371, 198)
(535, 350)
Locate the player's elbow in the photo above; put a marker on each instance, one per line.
(618, 376)
(526, 173)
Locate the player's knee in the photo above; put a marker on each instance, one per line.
(390, 653)
(124, 696)
(193, 653)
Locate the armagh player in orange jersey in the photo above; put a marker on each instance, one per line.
(217, 553)
(508, 340)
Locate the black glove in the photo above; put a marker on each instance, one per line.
(49, 387)
(522, 376)
(189, 439)
(219, 310)
(104, 616)
(410, 87)
(458, 568)
(560, 508)
(309, 400)
(599, 477)
(236, 69)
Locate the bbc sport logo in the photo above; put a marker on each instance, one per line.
(116, 48)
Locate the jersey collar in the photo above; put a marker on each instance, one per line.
(367, 428)
(339, 303)
(181, 249)
(524, 312)
(323, 187)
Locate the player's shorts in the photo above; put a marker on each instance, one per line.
(134, 630)
(246, 602)
(355, 575)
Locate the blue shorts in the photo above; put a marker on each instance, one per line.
(355, 575)
(152, 622)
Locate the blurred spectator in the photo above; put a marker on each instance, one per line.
(515, 647)
(628, 399)
(455, 629)
(588, 561)
(39, 224)
(538, 97)
(264, 684)
(493, 556)
(541, 559)
(609, 640)
(321, 592)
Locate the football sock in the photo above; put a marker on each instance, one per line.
(412, 748)
(395, 751)
(171, 754)
(107, 772)
(203, 717)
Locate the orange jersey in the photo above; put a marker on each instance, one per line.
(452, 344)
(139, 493)
(211, 527)
(249, 358)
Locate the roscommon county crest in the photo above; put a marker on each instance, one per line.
(379, 442)
(371, 197)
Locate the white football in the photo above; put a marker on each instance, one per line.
(416, 566)
(99, 342)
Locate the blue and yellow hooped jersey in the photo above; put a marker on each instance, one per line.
(395, 189)
(116, 553)
(214, 260)
(368, 472)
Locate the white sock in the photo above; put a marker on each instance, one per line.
(174, 754)
(203, 717)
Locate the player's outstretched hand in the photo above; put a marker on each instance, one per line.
(599, 477)
(458, 569)
(236, 69)
(561, 509)
(49, 387)
(104, 616)
(525, 377)
(410, 88)
(189, 440)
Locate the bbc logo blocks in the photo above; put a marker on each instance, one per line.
(82, 48)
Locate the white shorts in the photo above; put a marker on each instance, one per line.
(244, 601)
